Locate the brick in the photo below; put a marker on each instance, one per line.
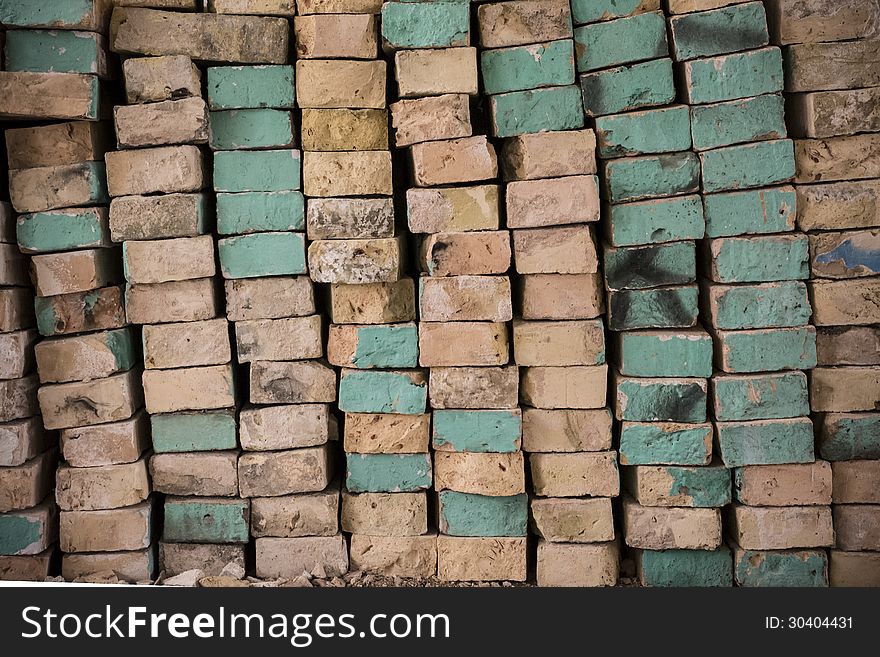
(766, 305)
(784, 485)
(263, 474)
(292, 516)
(650, 176)
(29, 531)
(103, 487)
(269, 298)
(854, 482)
(765, 442)
(559, 343)
(465, 298)
(436, 71)
(161, 261)
(591, 11)
(206, 37)
(136, 172)
(291, 338)
(263, 7)
(257, 171)
(353, 36)
(848, 254)
(17, 349)
(22, 440)
(250, 87)
(177, 558)
(85, 357)
(621, 41)
(262, 254)
(267, 428)
(356, 262)
(41, 96)
(13, 265)
(260, 211)
(344, 129)
(738, 121)
(404, 556)
(300, 382)
(566, 430)
(565, 387)
(477, 430)
(523, 22)
(759, 259)
(717, 32)
(527, 67)
(481, 559)
(470, 159)
(563, 250)
(327, 83)
(368, 347)
(83, 15)
(153, 125)
(854, 568)
(577, 474)
(730, 77)
(855, 526)
(687, 6)
(155, 217)
(627, 88)
(194, 431)
(677, 568)
(206, 520)
(466, 514)
(462, 343)
(759, 397)
(108, 530)
(846, 302)
(808, 67)
(17, 308)
(252, 128)
(658, 528)
(19, 398)
(454, 209)
(387, 473)
(364, 391)
(93, 402)
(837, 158)
(663, 307)
(50, 188)
(58, 144)
(846, 345)
(373, 303)
(430, 119)
(572, 520)
(462, 254)
(74, 271)
(548, 155)
(385, 433)
(679, 486)
(832, 113)
(553, 201)
(385, 514)
(156, 79)
(539, 110)
(814, 20)
(132, 566)
(353, 173)
(777, 568)
(751, 165)
(26, 485)
(106, 444)
(474, 387)
(662, 130)
(766, 350)
(188, 344)
(583, 565)
(845, 389)
(655, 220)
(416, 25)
(560, 296)
(780, 528)
(175, 301)
(672, 263)
(94, 310)
(350, 218)
(189, 389)
(660, 400)
(339, 6)
(755, 211)
(484, 473)
(665, 353)
(668, 443)
(63, 230)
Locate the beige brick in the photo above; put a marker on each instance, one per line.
(188, 344)
(344, 348)
(106, 444)
(470, 159)
(161, 261)
(548, 155)
(268, 474)
(75, 271)
(657, 486)
(453, 209)
(480, 473)
(332, 84)
(837, 158)
(560, 296)
(352, 173)
(24, 486)
(857, 526)
(845, 389)
(465, 298)
(289, 558)
(292, 516)
(796, 21)
(269, 298)
(781, 528)
(845, 302)
(431, 119)
(44, 519)
(848, 345)
(837, 206)
(265, 428)
(855, 482)
(78, 404)
(55, 187)
(177, 558)
(383, 433)
(261, 7)
(462, 343)
(175, 301)
(562, 250)
(58, 144)
(822, 66)
(552, 201)
(474, 387)
(462, 254)
(23, 439)
(134, 566)
(95, 310)
(339, 6)
(157, 217)
(577, 387)
(16, 308)
(572, 520)
(344, 130)
(523, 22)
(167, 122)
(349, 218)
(28, 568)
(195, 473)
(401, 556)
(83, 357)
(784, 485)
(156, 79)
(18, 398)
(17, 353)
(688, 6)
(587, 564)
(330, 36)
(13, 265)
(189, 389)
(292, 338)
(659, 528)
(833, 113)
(39, 96)
(467, 559)
(566, 430)
(575, 474)
(373, 303)
(110, 530)
(298, 382)
(854, 568)
(355, 262)
(385, 514)
(435, 72)
(558, 343)
(102, 487)
(166, 169)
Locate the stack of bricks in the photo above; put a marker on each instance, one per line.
(832, 82)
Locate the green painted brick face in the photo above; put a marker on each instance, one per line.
(527, 67)
(729, 77)
(538, 110)
(768, 350)
(767, 305)
(467, 514)
(748, 165)
(262, 254)
(782, 568)
(426, 25)
(657, 443)
(387, 346)
(759, 259)
(121, 344)
(18, 533)
(62, 230)
(193, 432)
(765, 442)
(850, 436)
(206, 521)
(387, 473)
(59, 51)
(650, 176)
(251, 212)
(622, 41)
(639, 267)
(686, 568)
(671, 307)
(738, 121)
(591, 11)
(653, 400)
(666, 353)
(477, 431)
(725, 30)
(664, 130)
(381, 392)
(251, 87)
(628, 88)
(257, 171)
(657, 220)
(701, 487)
(760, 397)
(251, 128)
(36, 13)
(750, 212)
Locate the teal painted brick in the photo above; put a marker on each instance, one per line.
(382, 392)
(751, 212)
(425, 25)
(622, 41)
(725, 30)
(627, 88)
(194, 432)
(206, 520)
(846, 254)
(679, 486)
(849, 436)
(477, 431)
(729, 77)
(777, 395)
(257, 171)
(538, 110)
(122, 345)
(468, 514)
(56, 51)
(251, 87)
(663, 130)
(660, 400)
(765, 442)
(251, 128)
(766, 350)
(386, 345)
(765, 305)
(63, 230)
(654, 265)
(591, 11)
(748, 165)
(650, 176)
(673, 443)
(250, 212)
(20, 534)
(387, 473)
(781, 568)
(527, 67)
(686, 568)
(43, 13)
(665, 307)
(262, 254)
(665, 353)
(759, 259)
(656, 220)
(738, 121)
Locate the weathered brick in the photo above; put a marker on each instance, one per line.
(587, 565)
(387, 473)
(251, 128)
(462, 343)
(436, 71)
(848, 345)
(548, 155)
(19, 398)
(24, 486)
(672, 263)
(627, 88)
(751, 165)
(591, 11)
(658, 528)
(780, 528)
(765, 442)
(175, 301)
(267, 428)
(792, 21)
(737, 121)
(766, 350)
(685, 568)
(291, 516)
(662, 307)
(783, 485)
(385, 514)
(328, 83)
(425, 25)
(63, 230)
(368, 347)
(468, 514)
(856, 526)
(523, 22)
(74, 271)
(350, 218)
(552, 201)
(560, 296)
(463, 254)
(102, 487)
(655, 220)
(430, 119)
(469, 159)
(565, 387)
(659, 400)
(621, 41)
(22, 440)
(845, 389)
(837, 158)
(662, 130)
(758, 259)
(665, 353)
(404, 556)
(479, 559)
(85, 357)
(93, 402)
(106, 444)
(477, 430)
(17, 350)
(257, 171)
(759, 396)
(465, 298)
(827, 66)
(182, 121)
(177, 558)
(563, 250)
(352, 36)
(566, 430)
(262, 7)
(854, 568)
(40, 96)
(486, 473)
(268, 474)
(269, 298)
(17, 309)
(356, 262)
(198, 431)
(688, 6)
(572, 520)
(107, 530)
(729, 77)
(58, 144)
(576, 474)
(453, 209)
(29, 531)
(94, 310)
(765, 305)
(251, 212)
(717, 32)
(386, 433)
(290, 338)
(262, 254)
(89, 15)
(679, 486)
(849, 254)
(758, 211)
(352, 173)
(189, 389)
(156, 217)
(130, 566)
(559, 343)
(299, 382)
(539, 110)
(345, 129)
(778, 568)
(339, 6)
(206, 520)
(650, 176)
(527, 67)
(370, 391)
(50, 188)
(845, 303)
(161, 261)
(668, 443)
(474, 387)
(166, 169)
(854, 482)
(373, 303)
(832, 113)
(155, 79)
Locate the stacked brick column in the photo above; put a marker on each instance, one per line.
(832, 73)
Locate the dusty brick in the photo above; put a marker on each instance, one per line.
(350, 173)
(385, 433)
(300, 382)
(17, 351)
(178, 259)
(385, 514)
(158, 124)
(572, 520)
(79, 404)
(57, 144)
(353, 36)
(431, 119)
(462, 343)
(780, 528)
(291, 557)
(18, 398)
(558, 343)
(833, 113)
(840, 205)
(22, 440)
(327, 83)
(175, 301)
(473, 387)
(355, 262)
(370, 347)
(42, 518)
(350, 218)
(523, 22)
(845, 303)
(85, 357)
(548, 155)
(783, 485)
(177, 558)
(292, 516)
(480, 473)
(849, 254)
(373, 303)
(453, 209)
(560, 296)
(265, 428)
(195, 473)
(812, 21)
(106, 444)
(551, 202)
(848, 345)
(837, 158)
(156, 217)
(157, 79)
(260, 7)
(566, 430)
(269, 298)
(109, 530)
(187, 344)
(855, 482)
(587, 564)
(292, 338)
(845, 389)
(76, 271)
(130, 566)
(562, 250)
(16, 309)
(49, 188)
(854, 568)
(436, 71)
(404, 556)
(462, 254)
(658, 528)
(167, 169)
(856, 526)
(565, 387)
(465, 298)
(461, 559)
(24, 486)
(36, 96)
(576, 474)
(824, 66)
(344, 130)
(469, 159)
(103, 487)
(281, 473)
(189, 389)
